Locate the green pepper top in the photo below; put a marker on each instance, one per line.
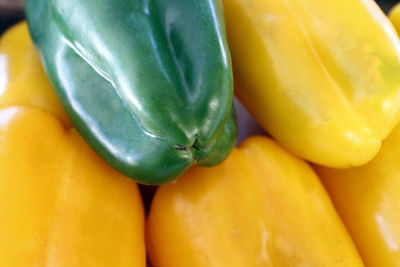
(147, 83)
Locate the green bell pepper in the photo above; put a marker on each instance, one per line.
(147, 83)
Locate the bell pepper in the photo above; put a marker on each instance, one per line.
(394, 16)
(321, 76)
(23, 81)
(261, 207)
(368, 199)
(60, 204)
(148, 84)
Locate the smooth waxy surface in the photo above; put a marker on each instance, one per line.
(148, 84)
(368, 198)
(368, 201)
(261, 207)
(22, 79)
(322, 77)
(61, 205)
(394, 16)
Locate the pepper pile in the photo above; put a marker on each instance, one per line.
(144, 90)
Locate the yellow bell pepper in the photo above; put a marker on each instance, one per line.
(22, 78)
(321, 76)
(60, 204)
(261, 207)
(394, 16)
(368, 198)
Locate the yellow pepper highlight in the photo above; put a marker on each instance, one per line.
(368, 198)
(322, 77)
(394, 16)
(261, 207)
(22, 78)
(60, 204)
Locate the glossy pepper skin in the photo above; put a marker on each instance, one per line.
(368, 201)
(321, 76)
(148, 84)
(368, 198)
(261, 207)
(61, 205)
(22, 78)
(394, 16)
